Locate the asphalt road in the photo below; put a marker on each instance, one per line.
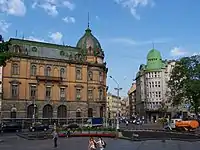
(143, 126)
(81, 144)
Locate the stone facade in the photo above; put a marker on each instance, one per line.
(46, 80)
(151, 86)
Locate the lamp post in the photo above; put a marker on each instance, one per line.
(117, 89)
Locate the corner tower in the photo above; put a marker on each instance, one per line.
(91, 47)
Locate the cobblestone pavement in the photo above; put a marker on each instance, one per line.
(16, 143)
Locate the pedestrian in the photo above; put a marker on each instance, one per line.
(55, 138)
(101, 143)
(92, 144)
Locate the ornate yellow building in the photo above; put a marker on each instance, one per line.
(55, 81)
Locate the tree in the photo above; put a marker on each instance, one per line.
(184, 83)
(4, 52)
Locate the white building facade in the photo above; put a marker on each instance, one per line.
(151, 86)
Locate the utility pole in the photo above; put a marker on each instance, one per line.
(118, 90)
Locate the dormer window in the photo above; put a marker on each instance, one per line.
(16, 49)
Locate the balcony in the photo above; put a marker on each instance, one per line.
(49, 78)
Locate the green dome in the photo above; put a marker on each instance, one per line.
(88, 40)
(154, 60)
(154, 54)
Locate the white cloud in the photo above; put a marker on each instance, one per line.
(51, 6)
(128, 41)
(13, 7)
(198, 53)
(69, 5)
(133, 5)
(69, 19)
(178, 51)
(32, 38)
(4, 26)
(56, 37)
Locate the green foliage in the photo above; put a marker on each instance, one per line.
(184, 83)
(4, 53)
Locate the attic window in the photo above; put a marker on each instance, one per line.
(62, 53)
(34, 49)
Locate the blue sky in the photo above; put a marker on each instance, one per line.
(126, 29)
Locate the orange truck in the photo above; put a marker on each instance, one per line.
(181, 125)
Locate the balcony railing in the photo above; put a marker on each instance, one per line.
(49, 78)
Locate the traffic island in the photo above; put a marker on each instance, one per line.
(158, 135)
(89, 132)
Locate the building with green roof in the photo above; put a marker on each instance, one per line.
(47, 80)
(151, 86)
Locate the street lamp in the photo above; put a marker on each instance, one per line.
(118, 89)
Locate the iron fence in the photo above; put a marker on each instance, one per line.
(27, 122)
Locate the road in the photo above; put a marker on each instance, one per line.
(81, 144)
(144, 126)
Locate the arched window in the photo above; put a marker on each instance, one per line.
(15, 69)
(48, 71)
(78, 113)
(100, 76)
(62, 72)
(90, 76)
(33, 70)
(101, 94)
(78, 74)
(16, 49)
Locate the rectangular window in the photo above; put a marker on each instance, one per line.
(159, 94)
(78, 94)
(90, 94)
(48, 92)
(33, 91)
(15, 90)
(15, 69)
(62, 93)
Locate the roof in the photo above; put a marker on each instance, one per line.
(132, 89)
(45, 50)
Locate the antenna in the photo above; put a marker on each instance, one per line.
(23, 36)
(153, 44)
(16, 33)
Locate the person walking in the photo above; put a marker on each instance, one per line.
(101, 143)
(92, 144)
(55, 138)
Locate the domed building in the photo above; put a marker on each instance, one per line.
(151, 87)
(51, 81)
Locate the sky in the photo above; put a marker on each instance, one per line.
(126, 29)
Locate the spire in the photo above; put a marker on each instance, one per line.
(153, 44)
(88, 20)
(88, 24)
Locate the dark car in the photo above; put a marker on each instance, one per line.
(71, 126)
(10, 127)
(38, 127)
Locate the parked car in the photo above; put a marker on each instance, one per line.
(38, 127)
(11, 127)
(71, 126)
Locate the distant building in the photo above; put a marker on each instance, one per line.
(132, 100)
(114, 105)
(151, 86)
(125, 107)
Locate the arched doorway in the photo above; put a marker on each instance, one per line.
(13, 113)
(47, 111)
(90, 112)
(78, 113)
(62, 111)
(101, 111)
(30, 110)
